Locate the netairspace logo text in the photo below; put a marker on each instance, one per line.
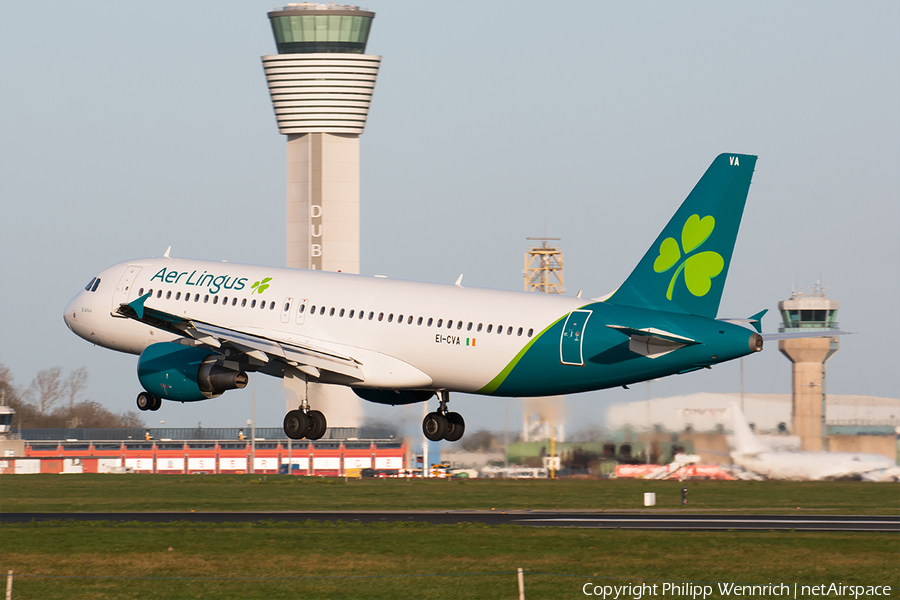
(723, 590)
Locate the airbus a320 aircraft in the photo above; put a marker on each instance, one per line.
(751, 454)
(201, 326)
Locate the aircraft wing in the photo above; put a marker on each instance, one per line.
(298, 353)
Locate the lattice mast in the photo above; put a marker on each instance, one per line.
(544, 267)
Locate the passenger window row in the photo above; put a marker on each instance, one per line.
(409, 319)
(215, 299)
(351, 314)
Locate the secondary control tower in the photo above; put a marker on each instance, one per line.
(321, 83)
(807, 313)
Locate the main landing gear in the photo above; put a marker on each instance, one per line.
(302, 422)
(147, 401)
(443, 425)
(305, 423)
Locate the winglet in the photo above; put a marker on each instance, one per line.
(459, 281)
(169, 249)
(138, 305)
(756, 320)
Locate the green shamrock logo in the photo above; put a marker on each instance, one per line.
(260, 286)
(700, 268)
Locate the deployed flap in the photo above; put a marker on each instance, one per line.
(652, 342)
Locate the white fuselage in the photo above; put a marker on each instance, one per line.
(450, 337)
(816, 465)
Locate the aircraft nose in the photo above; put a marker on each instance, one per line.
(69, 314)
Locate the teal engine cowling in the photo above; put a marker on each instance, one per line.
(185, 373)
(393, 397)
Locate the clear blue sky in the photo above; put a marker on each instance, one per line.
(126, 127)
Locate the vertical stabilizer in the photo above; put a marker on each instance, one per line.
(744, 440)
(685, 269)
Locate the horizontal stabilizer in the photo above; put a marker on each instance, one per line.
(755, 321)
(652, 342)
(796, 335)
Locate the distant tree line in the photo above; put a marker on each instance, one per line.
(55, 400)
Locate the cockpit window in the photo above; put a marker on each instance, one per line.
(87, 288)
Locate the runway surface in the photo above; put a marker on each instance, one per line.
(654, 521)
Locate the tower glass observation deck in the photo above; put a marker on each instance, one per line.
(316, 28)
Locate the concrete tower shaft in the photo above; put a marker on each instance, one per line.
(809, 355)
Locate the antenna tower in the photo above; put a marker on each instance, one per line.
(544, 267)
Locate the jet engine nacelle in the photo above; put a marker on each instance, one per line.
(185, 373)
(393, 397)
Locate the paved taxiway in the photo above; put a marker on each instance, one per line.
(656, 521)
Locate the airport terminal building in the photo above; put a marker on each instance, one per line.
(201, 451)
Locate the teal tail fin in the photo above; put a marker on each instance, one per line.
(685, 269)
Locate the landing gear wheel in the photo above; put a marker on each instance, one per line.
(317, 425)
(296, 425)
(435, 426)
(145, 401)
(457, 427)
(157, 403)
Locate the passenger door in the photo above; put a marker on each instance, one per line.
(123, 291)
(572, 338)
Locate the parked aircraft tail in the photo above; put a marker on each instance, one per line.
(745, 442)
(685, 268)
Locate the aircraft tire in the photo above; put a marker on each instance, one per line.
(457, 427)
(144, 401)
(317, 425)
(157, 403)
(435, 426)
(296, 424)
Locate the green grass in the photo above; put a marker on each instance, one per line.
(125, 493)
(107, 560)
(405, 560)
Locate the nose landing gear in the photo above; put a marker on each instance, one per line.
(443, 425)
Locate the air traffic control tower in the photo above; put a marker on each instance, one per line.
(321, 83)
(807, 313)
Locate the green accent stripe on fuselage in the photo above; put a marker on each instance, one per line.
(497, 381)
